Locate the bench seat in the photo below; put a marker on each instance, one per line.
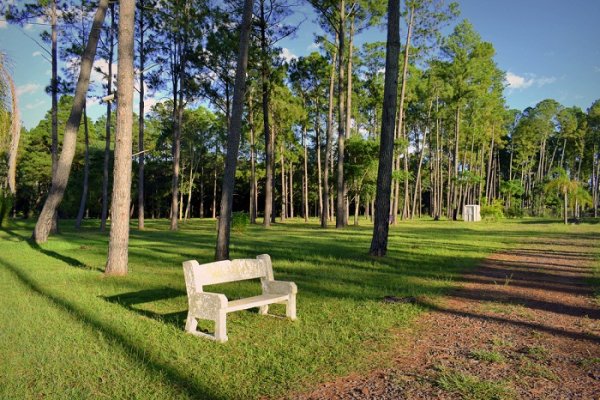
(215, 306)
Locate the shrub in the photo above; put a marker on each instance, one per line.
(239, 221)
(493, 211)
(514, 211)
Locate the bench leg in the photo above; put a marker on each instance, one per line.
(290, 310)
(263, 310)
(221, 327)
(191, 324)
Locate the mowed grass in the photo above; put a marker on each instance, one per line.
(66, 331)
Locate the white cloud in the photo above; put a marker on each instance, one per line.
(28, 88)
(515, 81)
(36, 53)
(313, 46)
(37, 104)
(3, 24)
(287, 55)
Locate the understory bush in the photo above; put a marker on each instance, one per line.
(239, 221)
(494, 211)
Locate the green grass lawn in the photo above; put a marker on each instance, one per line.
(66, 331)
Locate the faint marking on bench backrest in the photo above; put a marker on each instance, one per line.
(197, 275)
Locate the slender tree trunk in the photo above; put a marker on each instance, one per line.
(15, 135)
(386, 147)
(188, 207)
(121, 198)
(105, 171)
(305, 181)
(252, 163)
(356, 209)
(214, 204)
(318, 151)
(234, 136)
(54, 93)
(86, 170)
(417, 180)
(341, 203)
(328, 147)
(291, 188)
(141, 156)
(61, 177)
(202, 191)
(178, 121)
(283, 188)
(269, 161)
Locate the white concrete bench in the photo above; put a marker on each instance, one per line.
(215, 306)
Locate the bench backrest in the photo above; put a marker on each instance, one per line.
(198, 275)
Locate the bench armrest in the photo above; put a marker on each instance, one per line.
(207, 305)
(279, 287)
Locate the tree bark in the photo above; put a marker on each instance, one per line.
(118, 246)
(318, 151)
(234, 135)
(305, 180)
(15, 135)
(252, 163)
(386, 147)
(86, 170)
(61, 178)
(328, 147)
(340, 216)
(269, 161)
(105, 171)
(141, 156)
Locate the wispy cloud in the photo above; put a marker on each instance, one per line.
(36, 53)
(312, 47)
(527, 80)
(28, 88)
(597, 69)
(3, 25)
(37, 104)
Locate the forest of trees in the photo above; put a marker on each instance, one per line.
(310, 127)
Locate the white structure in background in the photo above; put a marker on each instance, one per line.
(471, 213)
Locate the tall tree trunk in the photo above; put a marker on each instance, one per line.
(15, 135)
(188, 206)
(418, 179)
(54, 92)
(234, 135)
(386, 147)
(214, 203)
(86, 170)
(61, 178)
(328, 147)
(202, 191)
(488, 180)
(177, 122)
(318, 151)
(305, 180)
(105, 171)
(266, 98)
(340, 216)
(141, 156)
(118, 246)
(291, 188)
(283, 188)
(252, 162)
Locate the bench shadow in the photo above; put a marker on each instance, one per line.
(130, 300)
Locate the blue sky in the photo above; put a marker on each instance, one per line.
(548, 48)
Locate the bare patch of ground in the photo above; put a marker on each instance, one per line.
(523, 325)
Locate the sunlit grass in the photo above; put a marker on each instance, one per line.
(66, 331)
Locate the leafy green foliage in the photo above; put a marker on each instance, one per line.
(493, 211)
(239, 221)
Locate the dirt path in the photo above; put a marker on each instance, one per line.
(523, 325)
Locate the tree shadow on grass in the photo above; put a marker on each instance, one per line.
(506, 321)
(72, 262)
(131, 349)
